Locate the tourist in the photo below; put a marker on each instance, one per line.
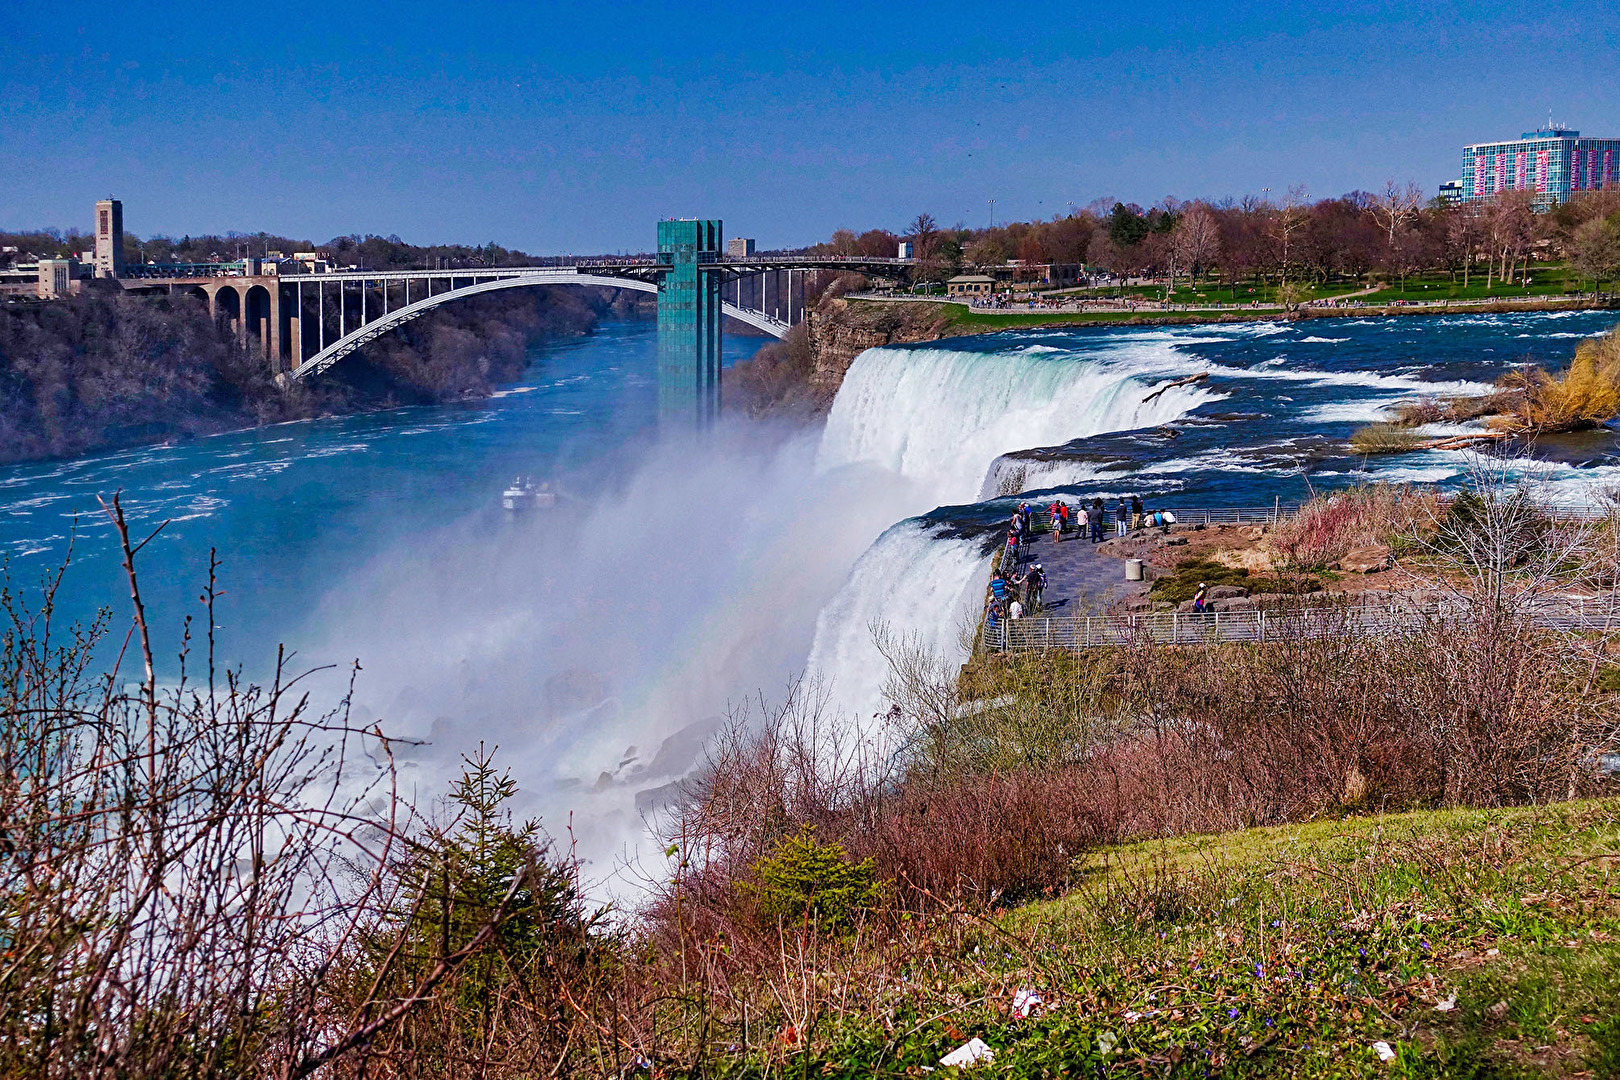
(1023, 523)
(1198, 597)
(998, 587)
(1034, 586)
(992, 618)
(1122, 514)
(1136, 511)
(1015, 610)
(1094, 520)
(1058, 510)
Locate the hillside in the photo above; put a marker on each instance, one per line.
(1472, 942)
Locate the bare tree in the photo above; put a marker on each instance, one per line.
(1396, 208)
(185, 866)
(1195, 243)
(1287, 220)
(1463, 236)
(925, 230)
(1595, 250)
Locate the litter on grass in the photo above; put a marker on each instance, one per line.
(971, 1052)
(1024, 1003)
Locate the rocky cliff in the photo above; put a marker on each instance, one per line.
(800, 375)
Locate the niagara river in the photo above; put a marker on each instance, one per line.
(598, 642)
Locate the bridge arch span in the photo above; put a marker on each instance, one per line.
(353, 340)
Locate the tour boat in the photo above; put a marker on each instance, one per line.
(523, 495)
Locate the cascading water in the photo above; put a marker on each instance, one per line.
(941, 415)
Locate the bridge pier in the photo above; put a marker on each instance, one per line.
(689, 321)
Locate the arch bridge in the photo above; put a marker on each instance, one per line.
(306, 323)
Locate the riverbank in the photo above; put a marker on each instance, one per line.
(107, 370)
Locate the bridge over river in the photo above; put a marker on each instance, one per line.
(305, 323)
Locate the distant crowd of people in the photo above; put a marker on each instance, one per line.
(1016, 591)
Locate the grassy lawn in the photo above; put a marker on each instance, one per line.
(1474, 943)
(1545, 281)
(962, 316)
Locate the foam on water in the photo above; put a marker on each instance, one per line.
(915, 585)
(941, 415)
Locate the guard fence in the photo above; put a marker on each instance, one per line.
(1299, 622)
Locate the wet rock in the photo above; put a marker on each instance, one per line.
(1367, 560)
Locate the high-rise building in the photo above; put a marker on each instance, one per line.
(1553, 162)
(109, 238)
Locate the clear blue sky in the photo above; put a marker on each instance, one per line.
(572, 127)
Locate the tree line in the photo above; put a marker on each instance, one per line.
(1393, 234)
(108, 369)
(368, 251)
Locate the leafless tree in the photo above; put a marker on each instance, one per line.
(1463, 238)
(184, 864)
(1595, 250)
(1396, 208)
(925, 230)
(1195, 243)
(1287, 219)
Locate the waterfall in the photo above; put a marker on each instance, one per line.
(941, 415)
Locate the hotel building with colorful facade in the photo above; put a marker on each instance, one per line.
(1553, 162)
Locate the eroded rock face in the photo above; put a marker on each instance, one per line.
(1367, 560)
(840, 331)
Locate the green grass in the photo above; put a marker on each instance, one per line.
(1286, 951)
(1182, 583)
(1545, 282)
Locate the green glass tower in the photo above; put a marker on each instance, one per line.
(689, 322)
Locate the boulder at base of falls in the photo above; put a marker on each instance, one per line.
(1367, 560)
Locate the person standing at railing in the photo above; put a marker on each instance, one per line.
(1198, 598)
(1136, 511)
(1015, 610)
(1122, 514)
(1094, 520)
(1059, 512)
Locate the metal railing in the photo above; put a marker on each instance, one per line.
(1302, 622)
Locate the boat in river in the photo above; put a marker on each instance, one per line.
(523, 495)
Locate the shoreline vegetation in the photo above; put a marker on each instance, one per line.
(106, 370)
(1310, 857)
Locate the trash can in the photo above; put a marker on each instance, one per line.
(1133, 569)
